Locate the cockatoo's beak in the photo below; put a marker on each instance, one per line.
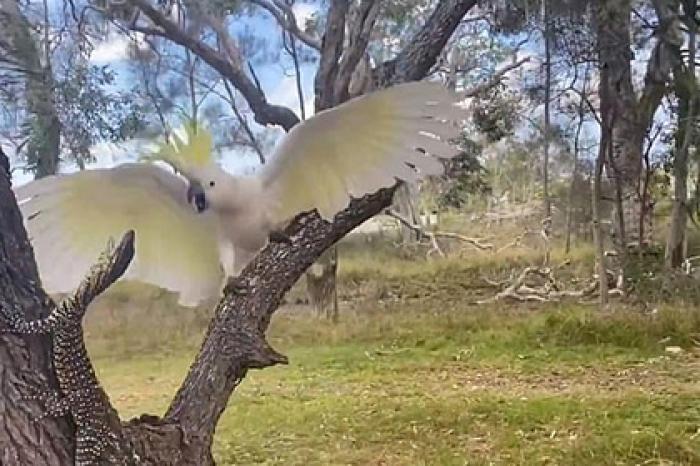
(196, 197)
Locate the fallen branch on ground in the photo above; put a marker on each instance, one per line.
(432, 236)
(539, 284)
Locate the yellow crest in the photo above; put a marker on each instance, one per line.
(192, 152)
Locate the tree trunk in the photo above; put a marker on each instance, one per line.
(574, 173)
(631, 116)
(598, 237)
(403, 201)
(321, 284)
(548, 31)
(685, 84)
(24, 360)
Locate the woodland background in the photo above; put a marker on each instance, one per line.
(538, 304)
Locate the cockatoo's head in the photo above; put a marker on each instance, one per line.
(188, 151)
(208, 188)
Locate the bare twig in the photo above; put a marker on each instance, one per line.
(495, 79)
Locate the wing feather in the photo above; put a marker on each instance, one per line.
(360, 147)
(70, 218)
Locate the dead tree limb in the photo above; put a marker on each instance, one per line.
(496, 78)
(539, 284)
(432, 236)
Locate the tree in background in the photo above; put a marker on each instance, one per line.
(685, 88)
(67, 104)
(627, 111)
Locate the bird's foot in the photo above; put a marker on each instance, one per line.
(278, 236)
(235, 285)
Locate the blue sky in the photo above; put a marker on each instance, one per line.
(279, 87)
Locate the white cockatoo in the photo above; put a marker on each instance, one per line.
(195, 229)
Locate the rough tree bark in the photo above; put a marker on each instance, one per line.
(24, 361)
(235, 340)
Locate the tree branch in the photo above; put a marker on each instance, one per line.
(331, 51)
(235, 339)
(495, 79)
(286, 18)
(364, 17)
(244, 123)
(418, 57)
(265, 113)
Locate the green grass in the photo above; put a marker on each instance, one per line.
(416, 374)
(457, 385)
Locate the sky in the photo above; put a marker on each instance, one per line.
(279, 88)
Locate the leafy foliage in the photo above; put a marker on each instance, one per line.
(90, 112)
(496, 112)
(465, 176)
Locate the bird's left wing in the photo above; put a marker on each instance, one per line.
(69, 218)
(360, 147)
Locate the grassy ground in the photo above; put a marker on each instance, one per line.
(455, 386)
(432, 379)
(415, 373)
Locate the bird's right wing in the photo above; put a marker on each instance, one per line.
(70, 218)
(361, 146)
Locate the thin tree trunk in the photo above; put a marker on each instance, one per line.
(548, 31)
(574, 174)
(403, 200)
(686, 90)
(598, 237)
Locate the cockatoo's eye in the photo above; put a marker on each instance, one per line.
(212, 184)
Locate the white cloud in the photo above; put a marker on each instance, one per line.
(286, 94)
(115, 48)
(303, 12)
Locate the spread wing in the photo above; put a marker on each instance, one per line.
(360, 147)
(69, 219)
